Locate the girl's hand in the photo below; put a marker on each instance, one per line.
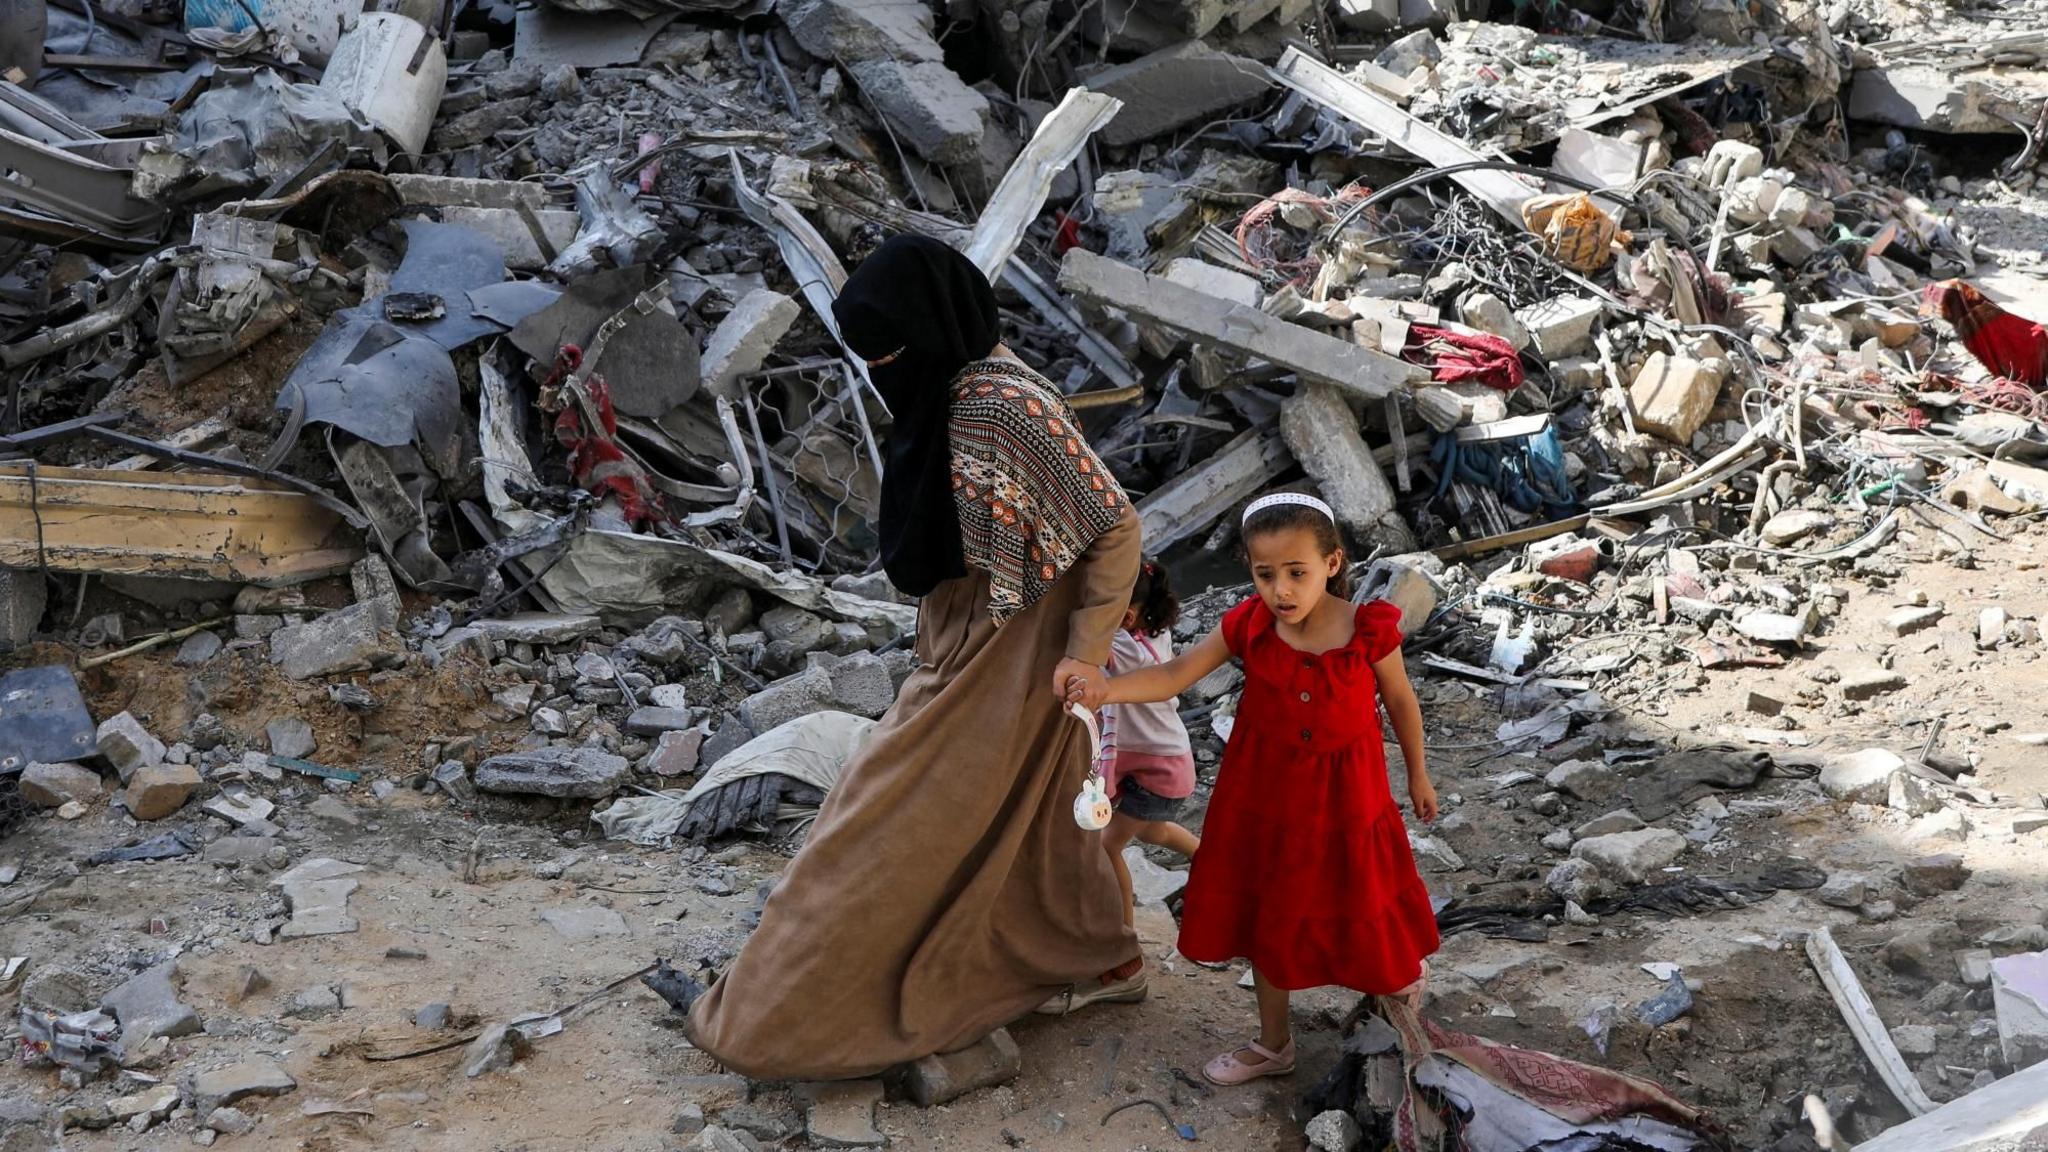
(1075, 682)
(1422, 794)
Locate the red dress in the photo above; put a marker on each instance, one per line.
(1305, 868)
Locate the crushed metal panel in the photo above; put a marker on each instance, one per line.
(191, 525)
(43, 719)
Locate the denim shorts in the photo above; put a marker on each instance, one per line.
(1134, 801)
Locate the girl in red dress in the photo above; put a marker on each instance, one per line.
(1305, 867)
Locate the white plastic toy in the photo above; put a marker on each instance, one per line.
(1091, 807)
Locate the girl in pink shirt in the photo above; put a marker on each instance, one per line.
(1145, 755)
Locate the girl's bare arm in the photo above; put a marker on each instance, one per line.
(1165, 681)
(1405, 711)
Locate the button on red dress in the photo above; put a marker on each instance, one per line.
(1305, 868)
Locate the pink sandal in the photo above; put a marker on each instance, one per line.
(1228, 1071)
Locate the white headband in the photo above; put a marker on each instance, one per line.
(1278, 498)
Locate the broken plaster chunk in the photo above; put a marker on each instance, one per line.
(1489, 313)
(53, 785)
(580, 773)
(1907, 621)
(1867, 683)
(344, 640)
(155, 792)
(240, 1081)
(127, 745)
(743, 340)
(1672, 396)
(1324, 436)
(939, 1079)
(1794, 524)
(1561, 326)
(1861, 777)
(932, 110)
(1184, 84)
(1633, 856)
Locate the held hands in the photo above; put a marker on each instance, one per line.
(1422, 794)
(1075, 682)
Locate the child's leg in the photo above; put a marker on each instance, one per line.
(1114, 838)
(1275, 1030)
(1170, 836)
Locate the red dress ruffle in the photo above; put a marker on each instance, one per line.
(1305, 868)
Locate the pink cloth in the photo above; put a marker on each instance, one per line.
(1146, 743)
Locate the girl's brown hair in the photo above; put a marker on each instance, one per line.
(1284, 517)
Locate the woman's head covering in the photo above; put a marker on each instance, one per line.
(931, 308)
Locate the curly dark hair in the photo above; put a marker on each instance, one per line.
(1153, 597)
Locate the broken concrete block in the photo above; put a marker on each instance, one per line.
(743, 340)
(240, 1081)
(675, 753)
(1404, 582)
(1775, 627)
(578, 773)
(1323, 434)
(54, 785)
(1634, 856)
(1561, 326)
(156, 791)
(861, 685)
(1928, 97)
(2019, 993)
(345, 640)
(1947, 824)
(1910, 794)
(290, 736)
(1672, 396)
(1991, 623)
(1907, 621)
(1622, 820)
(197, 649)
(1587, 780)
(1973, 967)
(933, 112)
(1490, 314)
(939, 1079)
(1794, 524)
(1867, 683)
(1976, 491)
(798, 694)
(147, 1005)
(539, 628)
(1863, 777)
(854, 30)
(1214, 280)
(127, 745)
(1185, 84)
(1844, 890)
(1932, 875)
(1367, 15)
(648, 720)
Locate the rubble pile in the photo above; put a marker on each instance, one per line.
(446, 400)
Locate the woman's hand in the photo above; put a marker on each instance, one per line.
(1077, 682)
(1422, 794)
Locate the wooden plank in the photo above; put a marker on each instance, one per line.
(197, 436)
(1520, 536)
(196, 526)
(1324, 85)
(1864, 1022)
(1364, 372)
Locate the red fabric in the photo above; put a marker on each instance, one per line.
(1455, 356)
(1305, 868)
(596, 461)
(1067, 235)
(2010, 346)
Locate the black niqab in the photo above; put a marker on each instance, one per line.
(933, 309)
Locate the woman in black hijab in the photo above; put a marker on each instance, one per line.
(946, 888)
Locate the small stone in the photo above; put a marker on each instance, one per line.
(716, 1139)
(539, 628)
(496, 1047)
(652, 721)
(1870, 682)
(127, 745)
(561, 84)
(248, 981)
(550, 722)
(861, 685)
(1576, 880)
(1933, 875)
(1587, 780)
(1907, 621)
(230, 1122)
(1334, 1131)
(1547, 804)
(1912, 795)
(1844, 890)
(1622, 820)
(1634, 856)
(690, 1120)
(1490, 314)
(801, 631)
(770, 1125)
(1991, 624)
(799, 694)
(1879, 911)
(239, 1081)
(314, 1001)
(344, 640)
(675, 753)
(593, 668)
(54, 785)
(290, 736)
(155, 1103)
(1861, 777)
(147, 1005)
(197, 649)
(1947, 824)
(1574, 914)
(1793, 525)
(1763, 705)
(154, 793)
(1558, 840)
(668, 696)
(71, 810)
(1914, 1039)
(432, 1017)
(939, 1079)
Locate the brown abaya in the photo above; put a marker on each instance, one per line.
(946, 889)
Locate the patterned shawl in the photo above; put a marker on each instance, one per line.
(1031, 494)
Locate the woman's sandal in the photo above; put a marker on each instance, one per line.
(1228, 1070)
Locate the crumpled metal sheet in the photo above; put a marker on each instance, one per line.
(43, 719)
(366, 376)
(615, 233)
(253, 126)
(448, 261)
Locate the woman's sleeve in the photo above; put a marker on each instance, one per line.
(1380, 622)
(1107, 571)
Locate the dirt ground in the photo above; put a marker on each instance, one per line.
(1761, 1034)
